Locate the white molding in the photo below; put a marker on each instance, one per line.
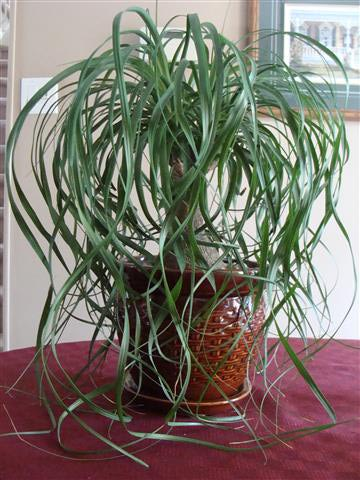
(7, 212)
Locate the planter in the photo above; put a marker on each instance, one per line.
(219, 341)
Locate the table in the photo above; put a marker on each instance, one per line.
(330, 454)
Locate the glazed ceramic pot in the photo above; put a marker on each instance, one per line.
(219, 338)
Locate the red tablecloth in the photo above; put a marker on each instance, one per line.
(330, 454)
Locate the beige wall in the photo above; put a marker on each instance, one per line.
(49, 34)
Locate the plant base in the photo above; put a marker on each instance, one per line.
(212, 407)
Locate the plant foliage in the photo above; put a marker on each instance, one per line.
(254, 166)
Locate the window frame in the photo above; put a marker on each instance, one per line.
(269, 15)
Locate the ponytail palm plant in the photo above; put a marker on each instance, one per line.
(197, 165)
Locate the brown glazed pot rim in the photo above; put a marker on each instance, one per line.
(231, 281)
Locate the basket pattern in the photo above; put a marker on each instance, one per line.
(220, 341)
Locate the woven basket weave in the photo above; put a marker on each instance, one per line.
(220, 342)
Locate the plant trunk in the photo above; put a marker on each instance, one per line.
(210, 254)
